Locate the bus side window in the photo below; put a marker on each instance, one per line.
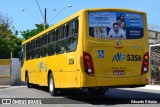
(27, 47)
(70, 29)
(44, 51)
(44, 40)
(27, 55)
(22, 55)
(31, 54)
(71, 43)
(76, 26)
(61, 32)
(72, 39)
(32, 50)
(56, 34)
(67, 30)
(60, 46)
(38, 52)
(28, 51)
(49, 37)
(33, 44)
(64, 31)
(51, 49)
(38, 44)
(41, 41)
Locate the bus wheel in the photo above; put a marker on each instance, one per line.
(27, 80)
(51, 85)
(96, 91)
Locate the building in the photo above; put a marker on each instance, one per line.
(154, 37)
(154, 43)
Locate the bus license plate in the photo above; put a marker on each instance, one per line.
(119, 72)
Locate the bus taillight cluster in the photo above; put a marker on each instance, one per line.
(145, 63)
(88, 64)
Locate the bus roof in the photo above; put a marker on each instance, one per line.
(75, 15)
(112, 9)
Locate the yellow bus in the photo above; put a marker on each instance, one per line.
(93, 49)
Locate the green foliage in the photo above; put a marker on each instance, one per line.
(9, 42)
(29, 33)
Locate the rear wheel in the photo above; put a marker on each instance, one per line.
(96, 91)
(27, 80)
(51, 87)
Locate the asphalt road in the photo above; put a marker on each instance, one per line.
(70, 98)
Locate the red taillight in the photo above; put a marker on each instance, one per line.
(88, 64)
(145, 63)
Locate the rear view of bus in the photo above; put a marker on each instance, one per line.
(115, 48)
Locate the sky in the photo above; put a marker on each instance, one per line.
(23, 20)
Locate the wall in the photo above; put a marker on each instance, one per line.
(5, 72)
(16, 74)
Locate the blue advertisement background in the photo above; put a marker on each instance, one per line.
(128, 22)
(134, 25)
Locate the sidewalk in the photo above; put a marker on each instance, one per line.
(152, 87)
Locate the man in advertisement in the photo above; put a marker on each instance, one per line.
(116, 32)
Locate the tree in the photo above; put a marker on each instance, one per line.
(29, 33)
(9, 42)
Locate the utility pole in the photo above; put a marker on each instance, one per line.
(45, 19)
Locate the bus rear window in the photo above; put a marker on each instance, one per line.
(115, 25)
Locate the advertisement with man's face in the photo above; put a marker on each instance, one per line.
(115, 25)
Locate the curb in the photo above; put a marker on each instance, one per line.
(4, 86)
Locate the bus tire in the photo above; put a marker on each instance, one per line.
(96, 91)
(27, 80)
(51, 86)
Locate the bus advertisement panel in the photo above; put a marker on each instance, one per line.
(106, 24)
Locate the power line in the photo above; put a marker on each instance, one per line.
(60, 12)
(51, 13)
(22, 9)
(40, 9)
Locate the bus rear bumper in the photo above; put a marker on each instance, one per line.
(141, 80)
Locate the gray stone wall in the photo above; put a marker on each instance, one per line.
(16, 74)
(5, 72)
